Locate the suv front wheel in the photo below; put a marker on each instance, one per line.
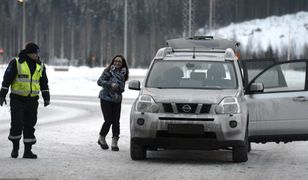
(137, 152)
(240, 153)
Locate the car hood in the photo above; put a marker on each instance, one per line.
(190, 95)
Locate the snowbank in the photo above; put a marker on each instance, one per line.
(77, 81)
(276, 32)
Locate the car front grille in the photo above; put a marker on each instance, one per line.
(205, 108)
(186, 108)
(181, 108)
(168, 107)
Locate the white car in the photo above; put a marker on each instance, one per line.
(197, 95)
(277, 112)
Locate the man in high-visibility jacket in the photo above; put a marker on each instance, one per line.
(27, 77)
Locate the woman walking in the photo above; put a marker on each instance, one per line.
(112, 81)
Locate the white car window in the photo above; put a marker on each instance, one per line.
(192, 74)
(284, 77)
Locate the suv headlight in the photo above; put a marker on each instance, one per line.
(146, 103)
(228, 105)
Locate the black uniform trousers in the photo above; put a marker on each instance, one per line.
(23, 120)
(111, 112)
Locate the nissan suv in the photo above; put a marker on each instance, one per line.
(196, 95)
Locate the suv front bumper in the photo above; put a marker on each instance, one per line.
(216, 128)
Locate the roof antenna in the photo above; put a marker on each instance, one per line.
(194, 56)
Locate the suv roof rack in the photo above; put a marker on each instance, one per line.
(207, 42)
(161, 53)
(199, 50)
(201, 38)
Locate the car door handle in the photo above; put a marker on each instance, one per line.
(300, 98)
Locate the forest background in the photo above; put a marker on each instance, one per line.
(78, 30)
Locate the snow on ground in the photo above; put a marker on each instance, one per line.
(81, 81)
(275, 31)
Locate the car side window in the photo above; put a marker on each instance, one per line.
(252, 67)
(284, 77)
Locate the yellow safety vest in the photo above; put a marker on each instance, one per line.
(24, 84)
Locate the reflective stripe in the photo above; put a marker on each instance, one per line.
(26, 80)
(17, 92)
(6, 88)
(29, 140)
(36, 92)
(45, 90)
(15, 137)
(22, 80)
(25, 92)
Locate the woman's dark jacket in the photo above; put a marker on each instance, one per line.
(106, 79)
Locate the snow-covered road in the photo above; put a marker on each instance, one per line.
(67, 133)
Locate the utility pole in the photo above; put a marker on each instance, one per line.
(188, 17)
(23, 2)
(289, 45)
(189, 20)
(24, 23)
(125, 29)
(211, 15)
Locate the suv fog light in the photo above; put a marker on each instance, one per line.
(140, 121)
(233, 124)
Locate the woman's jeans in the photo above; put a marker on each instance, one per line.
(111, 112)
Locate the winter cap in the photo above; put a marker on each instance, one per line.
(32, 48)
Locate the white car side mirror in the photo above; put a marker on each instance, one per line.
(134, 85)
(256, 87)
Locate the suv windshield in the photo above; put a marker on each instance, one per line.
(192, 74)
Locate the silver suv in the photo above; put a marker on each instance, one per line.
(196, 95)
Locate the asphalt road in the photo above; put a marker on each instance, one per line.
(67, 133)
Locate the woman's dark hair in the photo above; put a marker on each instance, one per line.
(124, 65)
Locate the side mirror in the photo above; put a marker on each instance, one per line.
(134, 85)
(256, 87)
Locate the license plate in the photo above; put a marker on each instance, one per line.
(185, 129)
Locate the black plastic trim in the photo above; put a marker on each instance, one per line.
(186, 143)
(278, 138)
(185, 119)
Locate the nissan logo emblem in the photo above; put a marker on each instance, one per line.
(186, 108)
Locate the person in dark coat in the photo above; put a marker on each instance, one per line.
(26, 77)
(112, 81)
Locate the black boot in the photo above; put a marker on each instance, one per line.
(14, 153)
(28, 153)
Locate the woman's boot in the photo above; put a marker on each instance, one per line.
(114, 144)
(102, 142)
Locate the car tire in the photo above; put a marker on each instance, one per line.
(240, 153)
(137, 152)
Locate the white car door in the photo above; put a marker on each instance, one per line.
(280, 112)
